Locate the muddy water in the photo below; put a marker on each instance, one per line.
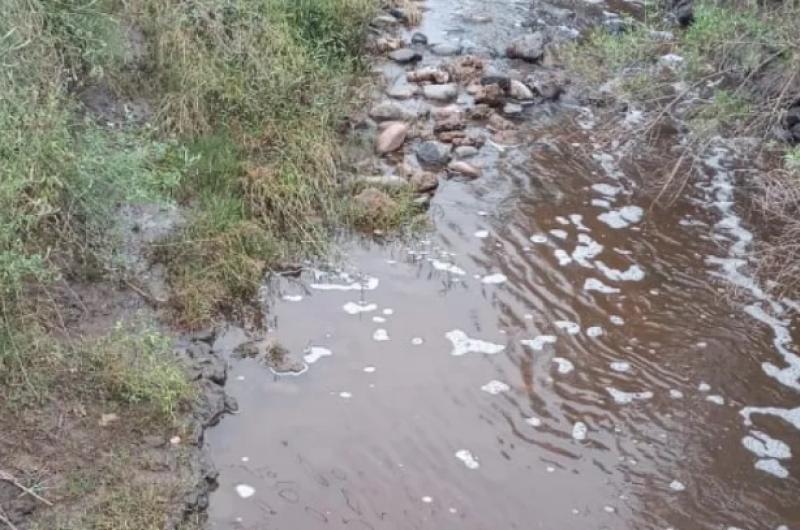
(552, 355)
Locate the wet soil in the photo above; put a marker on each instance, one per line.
(555, 353)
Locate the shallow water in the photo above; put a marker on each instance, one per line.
(553, 355)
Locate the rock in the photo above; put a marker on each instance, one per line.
(432, 153)
(792, 117)
(271, 353)
(107, 419)
(392, 137)
(429, 74)
(463, 168)
(402, 90)
(400, 14)
(512, 109)
(450, 137)
(375, 202)
(386, 44)
(499, 123)
(384, 21)
(683, 11)
(391, 111)
(528, 48)
(518, 90)
(471, 139)
(479, 112)
(446, 49)
(491, 95)
(423, 181)
(423, 201)
(383, 181)
(549, 84)
(466, 151)
(419, 38)
(495, 79)
(447, 92)
(465, 68)
(449, 122)
(405, 55)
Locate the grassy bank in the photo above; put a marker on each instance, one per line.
(232, 111)
(734, 72)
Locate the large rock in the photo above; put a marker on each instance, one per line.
(432, 153)
(528, 48)
(391, 111)
(375, 202)
(405, 55)
(447, 92)
(392, 137)
(518, 90)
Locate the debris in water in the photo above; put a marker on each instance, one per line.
(469, 460)
(764, 446)
(538, 238)
(675, 394)
(773, 467)
(380, 335)
(495, 387)
(388, 311)
(427, 500)
(616, 320)
(463, 344)
(244, 491)
(703, 387)
(560, 234)
(378, 320)
(416, 341)
(565, 366)
(570, 327)
(562, 256)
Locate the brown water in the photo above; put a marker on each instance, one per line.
(620, 324)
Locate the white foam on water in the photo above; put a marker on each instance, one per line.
(579, 431)
(625, 398)
(622, 217)
(538, 343)
(677, 485)
(417, 341)
(609, 165)
(560, 219)
(606, 189)
(601, 203)
(609, 509)
(565, 366)
(562, 256)
(369, 284)
(388, 311)
(560, 234)
(378, 320)
(703, 386)
(533, 421)
(764, 446)
(773, 467)
(593, 284)
(495, 387)
(716, 399)
(427, 500)
(369, 369)
(447, 267)
(790, 375)
(567, 325)
(463, 344)
(354, 308)
(292, 297)
(586, 250)
(468, 458)
(315, 353)
(345, 395)
(245, 491)
(538, 238)
(620, 366)
(577, 220)
(494, 278)
(380, 335)
(616, 320)
(594, 331)
(634, 273)
(675, 394)
(482, 234)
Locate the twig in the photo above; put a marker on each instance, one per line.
(6, 520)
(8, 477)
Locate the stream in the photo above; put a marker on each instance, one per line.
(554, 354)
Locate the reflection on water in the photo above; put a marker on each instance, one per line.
(554, 355)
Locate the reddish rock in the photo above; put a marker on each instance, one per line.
(392, 137)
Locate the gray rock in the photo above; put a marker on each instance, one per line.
(400, 14)
(518, 90)
(405, 56)
(391, 111)
(447, 92)
(446, 49)
(402, 90)
(383, 181)
(512, 109)
(423, 181)
(419, 38)
(528, 48)
(432, 153)
(494, 79)
(466, 151)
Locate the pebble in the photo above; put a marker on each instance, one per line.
(465, 151)
(419, 38)
(405, 56)
(446, 49)
(392, 137)
(464, 168)
(446, 92)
